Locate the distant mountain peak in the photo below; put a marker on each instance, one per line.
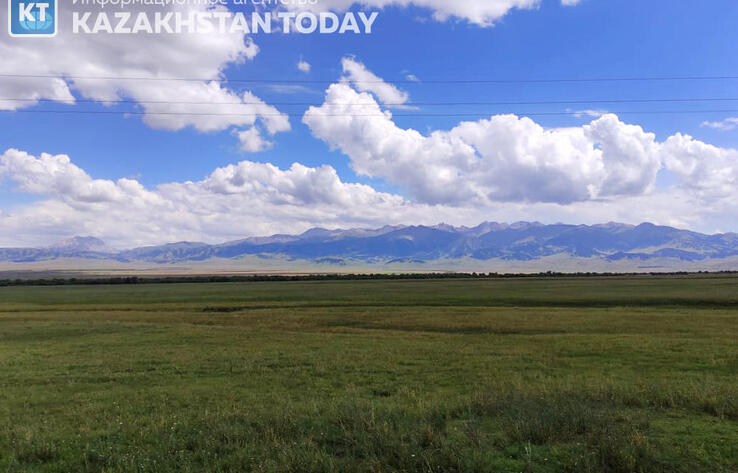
(445, 227)
(317, 232)
(525, 225)
(613, 225)
(82, 244)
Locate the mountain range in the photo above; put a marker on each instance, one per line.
(419, 245)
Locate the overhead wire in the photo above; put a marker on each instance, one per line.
(404, 81)
(257, 115)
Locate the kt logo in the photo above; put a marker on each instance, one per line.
(33, 19)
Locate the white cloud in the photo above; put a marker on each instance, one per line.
(234, 201)
(514, 160)
(709, 172)
(248, 199)
(304, 66)
(252, 141)
(154, 60)
(504, 158)
(724, 125)
(56, 175)
(428, 166)
(570, 3)
(630, 156)
(366, 81)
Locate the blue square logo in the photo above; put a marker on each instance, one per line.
(33, 18)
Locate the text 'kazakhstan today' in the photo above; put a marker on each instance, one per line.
(221, 21)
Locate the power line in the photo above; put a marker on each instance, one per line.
(337, 104)
(298, 115)
(433, 81)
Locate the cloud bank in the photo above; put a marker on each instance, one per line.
(250, 199)
(145, 69)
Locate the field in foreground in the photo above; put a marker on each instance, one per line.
(529, 375)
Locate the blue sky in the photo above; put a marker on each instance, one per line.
(593, 39)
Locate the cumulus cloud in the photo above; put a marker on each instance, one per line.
(503, 158)
(238, 200)
(514, 160)
(365, 80)
(709, 172)
(145, 69)
(57, 176)
(378, 148)
(630, 156)
(252, 141)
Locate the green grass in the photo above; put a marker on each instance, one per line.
(530, 375)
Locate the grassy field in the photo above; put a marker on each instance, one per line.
(529, 375)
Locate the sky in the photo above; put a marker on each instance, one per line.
(580, 112)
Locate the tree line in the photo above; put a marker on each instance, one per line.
(132, 280)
